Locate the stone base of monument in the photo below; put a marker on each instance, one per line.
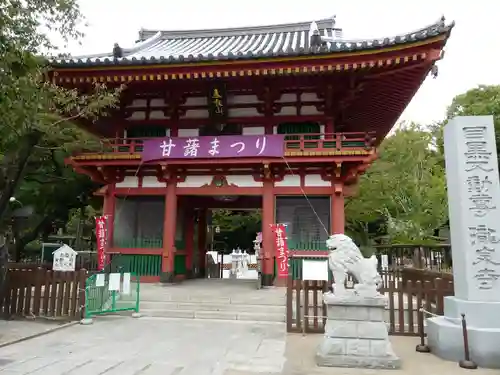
(445, 336)
(356, 334)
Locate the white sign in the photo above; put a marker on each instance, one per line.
(114, 281)
(474, 203)
(100, 280)
(126, 284)
(315, 270)
(64, 259)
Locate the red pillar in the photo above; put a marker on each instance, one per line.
(329, 127)
(337, 222)
(108, 210)
(202, 239)
(189, 240)
(167, 266)
(268, 213)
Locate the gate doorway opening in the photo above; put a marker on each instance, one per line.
(231, 243)
(224, 226)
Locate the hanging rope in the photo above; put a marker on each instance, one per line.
(307, 199)
(116, 213)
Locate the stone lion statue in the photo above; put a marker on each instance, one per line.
(345, 258)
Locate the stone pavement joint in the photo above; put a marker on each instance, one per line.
(150, 346)
(126, 346)
(15, 331)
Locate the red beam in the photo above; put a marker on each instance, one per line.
(222, 163)
(247, 121)
(135, 251)
(229, 106)
(249, 64)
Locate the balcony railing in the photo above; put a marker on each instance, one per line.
(319, 142)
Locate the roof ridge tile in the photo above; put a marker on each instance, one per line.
(157, 49)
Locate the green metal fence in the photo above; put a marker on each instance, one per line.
(307, 245)
(111, 292)
(140, 264)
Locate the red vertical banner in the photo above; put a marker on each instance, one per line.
(101, 236)
(281, 247)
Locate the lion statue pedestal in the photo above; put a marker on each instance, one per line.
(355, 332)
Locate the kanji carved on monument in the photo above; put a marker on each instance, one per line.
(477, 154)
(473, 200)
(481, 199)
(483, 238)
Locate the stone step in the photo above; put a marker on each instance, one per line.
(205, 306)
(253, 300)
(216, 315)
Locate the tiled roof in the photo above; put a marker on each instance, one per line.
(163, 47)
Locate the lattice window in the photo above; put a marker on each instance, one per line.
(305, 230)
(297, 128)
(147, 132)
(139, 222)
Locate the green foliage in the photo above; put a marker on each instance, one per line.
(81, 224)
(405, 186)
(38, 118)
(480, 101)
(237, 228)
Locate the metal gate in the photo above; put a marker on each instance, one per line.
(111, 292)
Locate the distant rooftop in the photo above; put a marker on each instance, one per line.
(244, 43)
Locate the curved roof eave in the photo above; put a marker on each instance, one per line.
(268, 43)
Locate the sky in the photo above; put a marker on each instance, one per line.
(471, 55)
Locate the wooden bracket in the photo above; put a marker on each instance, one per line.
(165, 174)
(111, 175)
(338, 188)
(267, 172)
(338, 170)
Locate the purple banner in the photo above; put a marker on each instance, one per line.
(216, 147)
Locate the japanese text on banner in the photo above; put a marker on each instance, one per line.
(101, 236)
(206, 147)
(483, 239)
(281, 248)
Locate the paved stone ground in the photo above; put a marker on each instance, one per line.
(300, 352)
(148, 346)
(127, 346)
(11, 330)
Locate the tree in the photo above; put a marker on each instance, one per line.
(38, 118)
(36, 114)
(405, 190)
(53, 190)
(237, 228)
(480, 101)
(81, 224)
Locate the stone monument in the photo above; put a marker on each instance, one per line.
(474, 204)
(245, 261)
(236, 263)
(355, 332)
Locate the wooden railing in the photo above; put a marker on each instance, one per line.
(43, 293)
(317, 142)
(401, 313)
